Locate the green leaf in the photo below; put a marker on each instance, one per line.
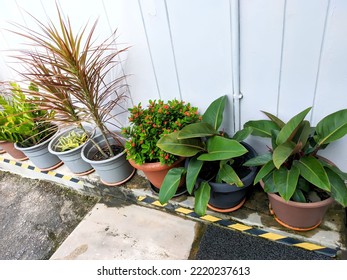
(303, 184)
(299, 196)
(214, 113)
(266, 169)
(269, 185)
(338, 187)
(229, 176)
(196, 130)
(261, 128)
(303, 133)
(259, 160)
(220, 148)
(343, 175)
(170, 184)
(185, 148)
(287, 131)
(312, 170)
(286, 181)
(332, 127)
(274, 134)
(282, 152)
(202, 196)
(275, 119)
(193, 171)
(242, 134)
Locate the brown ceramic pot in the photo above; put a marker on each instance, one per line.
(12, 151)
(295, 215)
(156, 172)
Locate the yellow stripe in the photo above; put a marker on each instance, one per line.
(25, 165)
(240, 227)
(157, 203)
(51, 173)
(184, 210)
(140, 198)
(308, 246)
(210, 218)
(2, 159)
(12, 162)
(272, 236)
(65, 177)
(37, 169)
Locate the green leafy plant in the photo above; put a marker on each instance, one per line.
(21, 121)
(148, 124)
(206, 147)
(292, 167)
(71, 141)
(75, 74)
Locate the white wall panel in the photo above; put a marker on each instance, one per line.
(154, 14)
(261, 41)
(126, 16)
(202, 46)
(303, 34)
(331, 92)
(292, 53)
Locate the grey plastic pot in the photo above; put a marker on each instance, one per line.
(40, 156)
(113, 171)
(72, 158)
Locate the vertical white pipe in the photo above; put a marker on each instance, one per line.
(235, 49)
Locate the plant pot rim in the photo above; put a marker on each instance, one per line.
(58, 135)
(154, 166)
(37, 145)
(104, 161)
(299, 204)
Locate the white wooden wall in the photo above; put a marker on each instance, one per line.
(293, 53)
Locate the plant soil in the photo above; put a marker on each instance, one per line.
(115, 148)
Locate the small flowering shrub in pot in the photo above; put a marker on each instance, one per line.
(147, 126)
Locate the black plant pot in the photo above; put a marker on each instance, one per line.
(228, 198)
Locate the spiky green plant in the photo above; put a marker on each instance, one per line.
(72, 71)
(21, 121)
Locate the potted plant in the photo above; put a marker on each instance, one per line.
(25, 125)
(146, 127)
(67, 145)
(11, 105)
(301, 185)
(213, 170)
(77, 77)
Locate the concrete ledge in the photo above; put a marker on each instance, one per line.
(253, 218)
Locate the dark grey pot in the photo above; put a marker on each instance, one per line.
(72, 158)
(225, 196)
(112, 171)
(40, 156)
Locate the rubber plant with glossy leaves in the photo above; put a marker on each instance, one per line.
(292, 168)
(203, 144)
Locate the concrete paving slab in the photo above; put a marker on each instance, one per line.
(128, 233)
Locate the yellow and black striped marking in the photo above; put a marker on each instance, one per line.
(33, 168)
(330, 252)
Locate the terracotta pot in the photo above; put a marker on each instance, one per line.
(156, 172)
(12, 151)
(296, 215)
